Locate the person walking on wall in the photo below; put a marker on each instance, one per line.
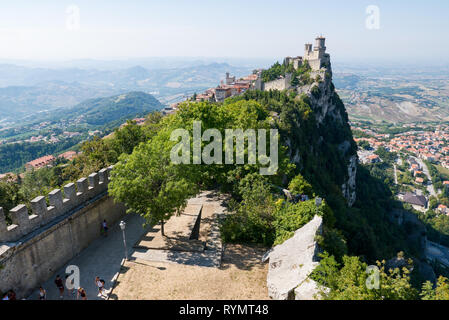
(60, 285)
(105, 228)
(100, 284)
(42, 294)
(81, 294)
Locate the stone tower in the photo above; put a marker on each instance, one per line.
(320, 46)
(307, 49)
(317, 57)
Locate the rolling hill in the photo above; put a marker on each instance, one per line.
(101, 111)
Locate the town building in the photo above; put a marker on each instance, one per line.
(443, 209)
(418, 202)
(40, 163)
(69, 155)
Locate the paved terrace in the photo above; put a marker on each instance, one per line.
(104, 257)
(178, 245)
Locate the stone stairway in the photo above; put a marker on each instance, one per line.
(192, 238)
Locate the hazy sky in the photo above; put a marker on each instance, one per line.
(49, 30)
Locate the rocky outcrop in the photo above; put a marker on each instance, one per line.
(413, 227)
(328, 108)
(291, 263)
(348, 188)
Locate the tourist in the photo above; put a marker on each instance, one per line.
(11, 295)
(100, 284)
(105, 228)
(82, 294)
(42, 294)
(60, 286)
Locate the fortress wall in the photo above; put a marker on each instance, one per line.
(24, 223)
(28, 262)
(279, 84)
(315, 64)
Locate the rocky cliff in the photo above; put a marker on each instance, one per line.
(291, 263)
(332, 140)
(320, 143)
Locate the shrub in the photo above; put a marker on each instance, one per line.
(289, 217)
(299, 185)
(252, 220)
(316, 91)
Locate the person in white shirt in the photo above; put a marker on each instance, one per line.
(100, 285)
(105, 228)
(42, 294)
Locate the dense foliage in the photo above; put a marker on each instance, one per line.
(95, 155)
(100, 111)
(350, 281)
(15, 155)
(174, 183)
(103, 114)
(301, 75)
(313, 161)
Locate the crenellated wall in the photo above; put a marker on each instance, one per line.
(42, 241)
(23, 222)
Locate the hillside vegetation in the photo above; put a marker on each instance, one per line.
(313, 161)
(101, 111)
(103, 114)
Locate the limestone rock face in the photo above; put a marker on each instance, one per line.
(307, 290)
(322, 96)
(291, 262)
(349, 187)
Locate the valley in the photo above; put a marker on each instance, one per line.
(63, 129)
(395, 96)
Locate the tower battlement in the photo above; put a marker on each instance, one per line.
(60, 204)
(317, 57)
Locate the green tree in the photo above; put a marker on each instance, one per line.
(348, 281)
(252, 219)
(441, 291)
(433, 202)
(150, 184)
(295, 81)
(364, 145)
(127, 138)
(9, 195)
(299, 185)
(95, 155)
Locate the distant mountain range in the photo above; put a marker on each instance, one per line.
(26, 90)
(103, 111)
(103, 114)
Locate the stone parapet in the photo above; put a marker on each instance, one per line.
(60, 203)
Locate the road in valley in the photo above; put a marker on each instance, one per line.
(429, 187)
(395, 174)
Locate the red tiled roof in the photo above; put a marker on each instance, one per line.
(42, 161)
